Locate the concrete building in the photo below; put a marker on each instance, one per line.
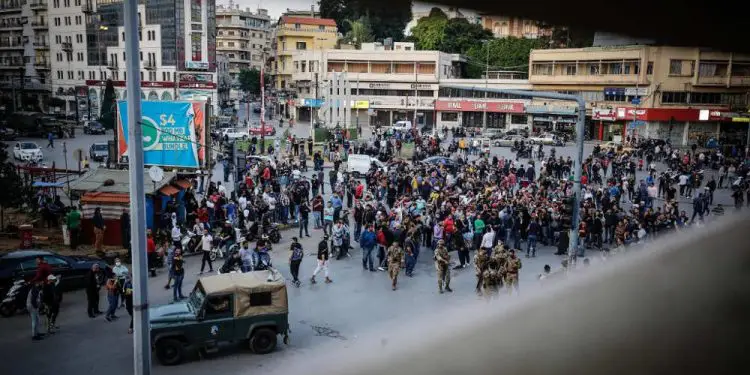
(243, 36)
(685, 94)
(298, 35)
(177, 51)
(506, 26)
(24, 53)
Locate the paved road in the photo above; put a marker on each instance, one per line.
(358, 304)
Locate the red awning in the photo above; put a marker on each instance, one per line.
(169, 190)
(185, 184)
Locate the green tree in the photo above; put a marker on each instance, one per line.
(107, 111)
(15, 194)
(460, 36)
(504, 54)
(564, 36)
(429, 31)
(249, 80)
(360, 31)
(386, 21)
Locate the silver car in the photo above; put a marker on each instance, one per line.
(99, 152)
(27, 151)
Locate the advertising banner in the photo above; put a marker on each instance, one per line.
(477, 106)
(173, 133)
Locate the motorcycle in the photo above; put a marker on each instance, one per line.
(191, 243)
(15, 300)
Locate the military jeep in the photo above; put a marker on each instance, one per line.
(235, 307)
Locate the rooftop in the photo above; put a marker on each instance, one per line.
(121, 178)
(308, 21)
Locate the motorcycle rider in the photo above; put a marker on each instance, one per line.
(232, 263)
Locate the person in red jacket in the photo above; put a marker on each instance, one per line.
(43, 269)
(151, 252)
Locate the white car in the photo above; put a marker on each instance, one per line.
(28, 151)
(232, 134)
(359, 164)
(403, 125)
(545, 139)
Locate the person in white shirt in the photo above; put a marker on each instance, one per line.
(206, 244)
(243, 202)
(177, 237)
(487, 239)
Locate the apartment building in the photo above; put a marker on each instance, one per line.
(177, 50)
(24, 52)
(685, 94)
(296, 35)
(243, 37)
(508, 26)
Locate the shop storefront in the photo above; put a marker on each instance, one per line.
(306, 108)
(682, 126)
(547, 118)
(471, 113)
(604, 126)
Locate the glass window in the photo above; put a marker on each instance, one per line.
(672, 97)
(195, 11)
(675, 67)
(519, 119)
(261, 299)
(301, 45)
(27, 265)
(449, 116)
(650, 68)
(196, 47)
(54, 261)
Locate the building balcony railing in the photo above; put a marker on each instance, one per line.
(67, 46)
(149, 65)
(39, 24)
(113, 65)
(41, 45)
(616, 79)
(11, 25)
(10, 46)
(38, 4)
(290, 30)
(42, 64)
(739, 81)
(11, 64)
(11, 7)
(711, 81)
(87, 8)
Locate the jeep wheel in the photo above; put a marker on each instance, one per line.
(263, 341)
(169, 352)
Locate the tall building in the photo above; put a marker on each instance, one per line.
(24, 53)
(243, 37)
(685, 94)
(177, 50)
(296, 35)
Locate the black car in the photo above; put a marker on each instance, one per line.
(93, 127)
(71, 269)
(449, 163)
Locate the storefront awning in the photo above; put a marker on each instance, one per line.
(185, 184)
(169, 190)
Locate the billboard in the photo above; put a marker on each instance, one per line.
(174, 133)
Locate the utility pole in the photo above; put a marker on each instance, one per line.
(416, 92)
(486, 85)
(67, 175)
(262, 109)
(141, 334)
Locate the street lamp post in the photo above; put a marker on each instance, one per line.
(101, 75)
(486, 83)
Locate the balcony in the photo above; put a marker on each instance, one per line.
(39, 24)
(112, 65)
(600, 79)
(711, 81)
(42, 64)
(41, 45)
(38, 4)
(12, 64)
(87, 8)
(67, 47)
(739, 81)
(4, 46)
(11, 26)
(11, 7)
(149, 65)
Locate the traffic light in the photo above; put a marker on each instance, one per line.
(566, 215)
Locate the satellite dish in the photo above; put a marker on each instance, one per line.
(156, 173)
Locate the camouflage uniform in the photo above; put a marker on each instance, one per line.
(511, 273)
(500, 256)
(442, 265)
(489, 278)
(480, 265)
(395, 257)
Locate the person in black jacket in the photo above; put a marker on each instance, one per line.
(94, 282)
(51, 297)
(323, 254)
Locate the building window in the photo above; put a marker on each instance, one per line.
(570, 70)
(542, 69)
(674, 97)
(67, 3)
(675, 67)
(196, 47)
(615, 97)
(67, 21)
(614, 68)
(56, 3)
(594, 70)
(519, 119)
(79, 38)
(705, 98)
(70, 74)
(59, 74)
(78, 20)
(78, 3)
(57, 21)
(449, 116)
(195, 11)
(296, 26)
(301, 45)
(321, 27)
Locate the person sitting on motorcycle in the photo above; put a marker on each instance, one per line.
(233, 263)
(261, 259)
(227, 235)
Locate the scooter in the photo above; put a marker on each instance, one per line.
(15, 300)
(190, 243)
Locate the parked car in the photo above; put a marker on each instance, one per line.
(522, 132)
(230, 134)
(99, 152)
(72, 270)
(507, 141)
(7, 134)
(359, 164)
(93, 127)
(247, 307)
(438, 160)
(27, 151)
(268, 130)
(403, 125)
(544, 139)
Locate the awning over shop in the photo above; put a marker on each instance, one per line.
(185, 184)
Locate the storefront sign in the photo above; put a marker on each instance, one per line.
(379, 85)
(312, 103)
(360, 104)
(421, 86)
(629, 113)
(551, 110)
(627, 91)
(603, 114)
(159, 84)
(475, 106)
(667, 114)
(197, 85)
(196, 77)
(197, 65)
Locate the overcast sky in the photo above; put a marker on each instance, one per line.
(276, 7)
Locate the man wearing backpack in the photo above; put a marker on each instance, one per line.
(368, 241)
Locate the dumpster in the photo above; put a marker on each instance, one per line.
(25, 232)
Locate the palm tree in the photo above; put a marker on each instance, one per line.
(359, 31)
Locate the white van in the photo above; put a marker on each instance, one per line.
(359, 164)
(402, 125)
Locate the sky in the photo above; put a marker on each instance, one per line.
(276, 7)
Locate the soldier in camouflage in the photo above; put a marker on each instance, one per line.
(500, 256)
(395, 257)
(480, 265)
(512, 266)
(442, 265)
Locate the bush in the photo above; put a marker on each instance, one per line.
(326, 134)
